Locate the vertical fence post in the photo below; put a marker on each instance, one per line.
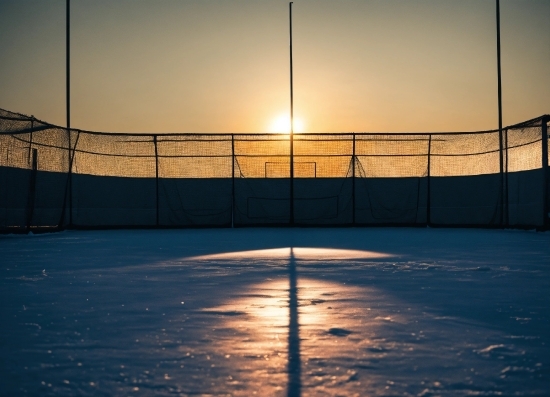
(30, 140)
(71, 155)
(68, 98)
(291, 179)
(545, 172)
(506, 189)
(353, 181)
(502, 187)
(500, 138)
(156, 177)
(429, 187)
(32, 189)
(232, 180)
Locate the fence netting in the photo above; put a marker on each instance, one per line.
(52, 177)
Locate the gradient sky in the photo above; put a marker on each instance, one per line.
(222, 66)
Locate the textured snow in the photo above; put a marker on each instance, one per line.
(276, 312)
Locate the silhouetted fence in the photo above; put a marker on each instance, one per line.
(52, 177)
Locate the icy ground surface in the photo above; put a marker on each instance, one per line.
(276, 312)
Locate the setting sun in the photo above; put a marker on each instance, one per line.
(281, 124)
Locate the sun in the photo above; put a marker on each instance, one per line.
(281, 124)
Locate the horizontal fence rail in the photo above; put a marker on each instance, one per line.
(54, 178)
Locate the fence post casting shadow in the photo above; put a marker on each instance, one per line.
(294, 362)
(506, 184)
(232, 180)
(500, 137)
(68, 103)
(291, 135)
(32, 189)
(545, 172)
(156, 179)
(429, 190)
(353, 182)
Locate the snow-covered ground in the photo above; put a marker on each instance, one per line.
(276, 312)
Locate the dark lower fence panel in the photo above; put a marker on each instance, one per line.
(31, 199)
(323, 201)
(525, 198)
(262, 201)
(317, 201)
(465, 200)
(476, 200)
(14, 197)
(111, 201)
(49, 199)
(547, 207)
(390, 201)
(100, 201)
(195, 202)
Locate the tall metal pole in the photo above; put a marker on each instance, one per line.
(155, 142)
(232, 180)
(68, 97)
(68, 63)
(353, 182)
(500, 136)
(429, 186)
(291, 125)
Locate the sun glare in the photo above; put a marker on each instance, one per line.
(281, 124)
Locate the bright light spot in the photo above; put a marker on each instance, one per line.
(281, 124)
(304, 253)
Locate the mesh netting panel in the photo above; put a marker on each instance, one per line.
(195, 186)
(217, 180)
(465, 154)
(16, 151)
(391, 156)
(51, 144)
(115, 155)
(523, 148)
(322, 156)
(12, 122)
(523, 160)
(193, 156)
(253, 152)
(303, 168)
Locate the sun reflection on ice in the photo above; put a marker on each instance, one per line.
(335, 323)
(298, 253)
(333, 326)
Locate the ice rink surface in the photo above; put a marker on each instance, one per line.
(276, 312)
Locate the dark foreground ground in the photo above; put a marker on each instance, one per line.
(276, 312)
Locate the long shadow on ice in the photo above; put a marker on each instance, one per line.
(199, 311)
(294, 361)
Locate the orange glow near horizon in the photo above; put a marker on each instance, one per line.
(214, 67)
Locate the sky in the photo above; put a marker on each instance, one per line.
(223, 66)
